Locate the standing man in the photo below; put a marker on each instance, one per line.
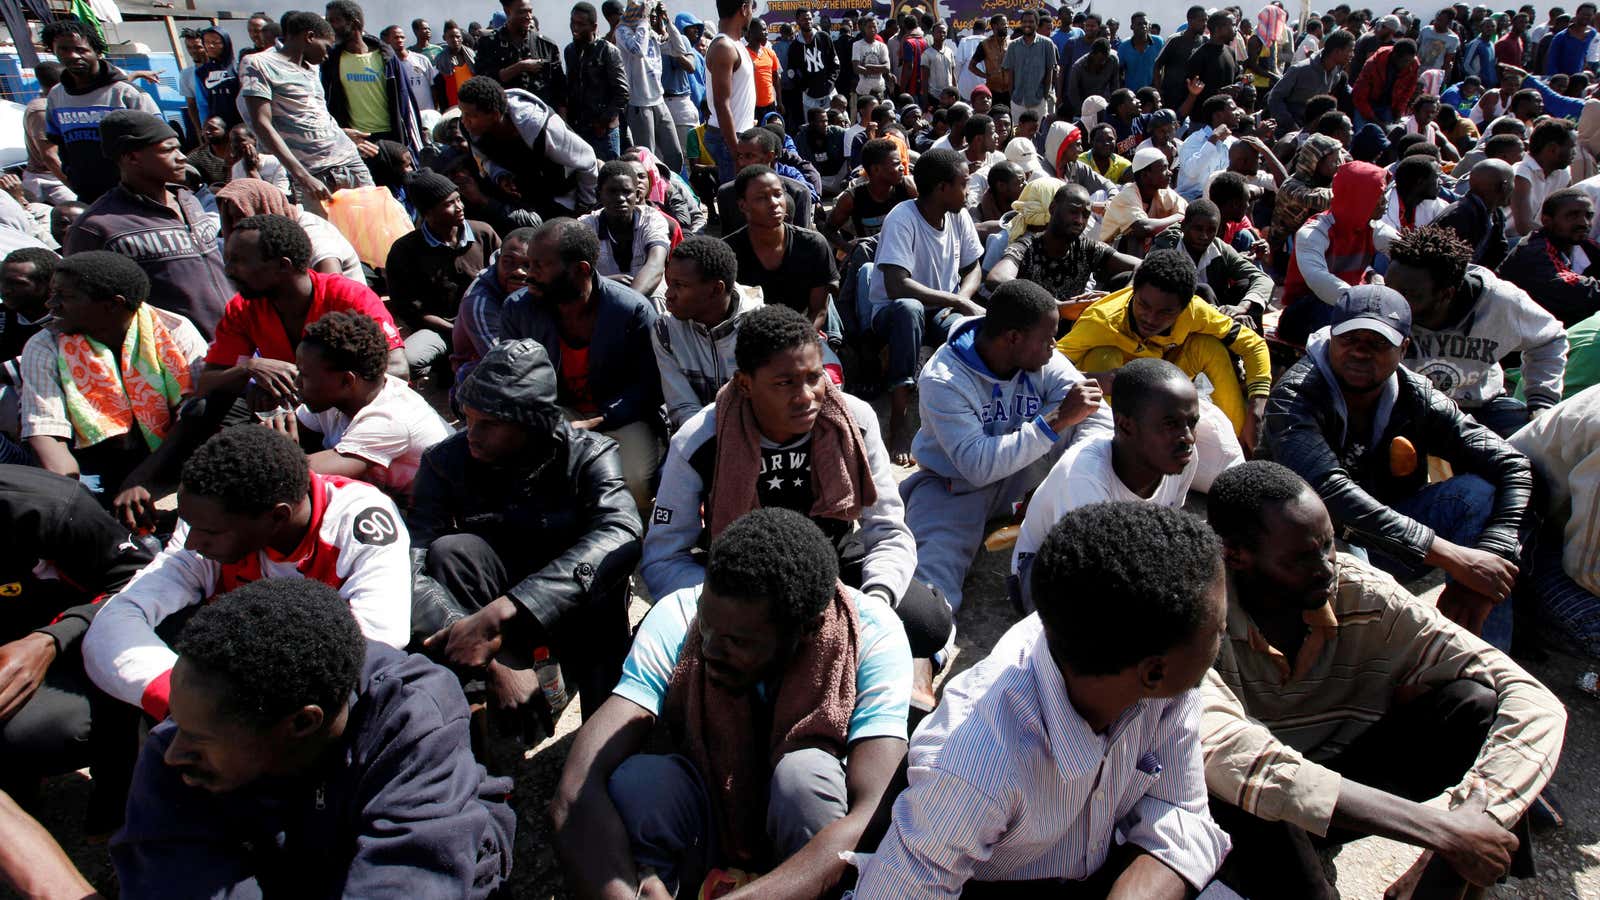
(1384, 34)
(425, 44)
(812, 62)
(284, 106)
(1321, 74)
(1030, 67)
(1172, 63)
(518, 56)
(597, 83)
(1138, 54)
(365, 84)
(90, 88)
(768, 70)
(649, 121)
(418, 68)
(1214, 63)
(938, 64)
(1437, 43)
(731, 87)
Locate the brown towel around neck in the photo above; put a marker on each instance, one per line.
(841, 477)
(721, 733)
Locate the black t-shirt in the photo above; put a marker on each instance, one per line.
(785, 478)
(807, 263)
(1215, 65)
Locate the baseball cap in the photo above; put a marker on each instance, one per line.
(1147, 157)
(1373, 307)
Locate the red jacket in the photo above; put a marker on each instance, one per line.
(1373, 85)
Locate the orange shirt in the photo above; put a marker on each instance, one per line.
(766, 72)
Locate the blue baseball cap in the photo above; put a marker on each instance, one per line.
(1373, 307)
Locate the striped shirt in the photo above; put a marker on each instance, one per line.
(1266, 735)
(1009, 783)
(1564, 447)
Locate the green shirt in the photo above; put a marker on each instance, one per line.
(362, 75)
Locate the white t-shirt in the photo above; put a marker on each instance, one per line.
(1310, 46)
(874, 53)
(1541, 185)
(650, 229)
(1083, 475)
(328, 242)
(965, 50)
(391, 433)
(941, 63)
(934, 257)
(419, 76)
(272, 172)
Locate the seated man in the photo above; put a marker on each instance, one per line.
(694, 342)
(990, 193)
(1564, 572)
(282, 709)
(1165, 441)
(250, 508)
(1063, 258)
(429, 269)
(1078, 730)
(477, 323)
(785, 695)
(793, 265)
(372, 426)
(1237, 286)
(1144, 207)
(634, 237)
(1559, 263)
(24, 294)
(759, 147)
(102, 383)
(1349, 420)
(998, 406)
(527, 149)
(859, 211)
(278, 297)
(1543, 170)
(1334, 250)
(1464, 321)
(1205, 151)
(1479, 218)
(62, 553)
(524, 518)
(1413, 199)
(596, 333)
(1159, 315)
(783, 435)
(924, 277)
(1341, 707)
(1102, 154)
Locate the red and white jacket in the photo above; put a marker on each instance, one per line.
(356, 544)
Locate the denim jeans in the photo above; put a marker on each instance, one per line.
(903, 324)
(722, 153)
(606, 146)
(1303, 317)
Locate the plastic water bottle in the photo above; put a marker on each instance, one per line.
(550, 681)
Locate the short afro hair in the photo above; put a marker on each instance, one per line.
(349, 9)
(778, 556)
(1203, 209)
(1434, 249)
(715, 260)
(75, 28)
(1139, 380)
(1152, 568)
(249, 469)
(276, 646)
(1557, 199)
(44, 261)
(1017, 305)
(299, 21)
(1241, 495)
(878, 151)
(763, 138)
(280, 237)
(1229, 187)
(484, 93)
(1554, 131)
(104, 275)
(350, 342)
(575, 242)
(616, 168)
(748, 176)
(977, 126)
(1214, 104)
(1170, 271)
(937, 168)
(768, 331)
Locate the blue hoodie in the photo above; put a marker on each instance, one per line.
(675, 79)
(218, 79)
(978, 429)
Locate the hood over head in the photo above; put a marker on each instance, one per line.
(514, 381)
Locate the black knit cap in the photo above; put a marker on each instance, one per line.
(427, 189)
(124, 130)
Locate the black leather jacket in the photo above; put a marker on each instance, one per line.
(570, 516)
(1305, 431)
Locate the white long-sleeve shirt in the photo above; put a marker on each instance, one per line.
(1199, 158)
(1311, 252)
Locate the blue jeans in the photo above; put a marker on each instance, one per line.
(1457, 510)
(904, 324)
(1301, 318)
(606, 146)
(722, 153)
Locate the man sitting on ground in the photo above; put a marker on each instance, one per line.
(250, 508)
(1413, 199)
(1334, 250)
(1543, 171)
(527, 149)
(694, 342)
(477, 322)
(1144, 207)
(759, 147)
(1166, 441)
(1159, 315)
(1479, 218)
(1235, 285)
(1327, 670)
(925, 275)
(859, 211)
(103, 382)
(371, 426)
(998, 406)
(634, 237)
(1464, 321)
(429, 269)
(1078, 730)
(792, 265)
(1064, 257)
(281, 710)
(786, 697)
(1205, 151)
(1349, 420)
(1559, 263)
(525, 519)
(990, 193)
(278, 297)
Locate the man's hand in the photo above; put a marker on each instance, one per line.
(22, 666)
(134, 508)
(1220, 134)
(1080, 403)
(1473, 843)
(587, 424)
(1255, 410)
(472, 642)
(1196, 86)
(285, 423)
(12, 185)
(366, 148)
(968, 308)
(275, 377)
(312, 184)
(1481, 572)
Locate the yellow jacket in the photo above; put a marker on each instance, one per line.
(1106, 323)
